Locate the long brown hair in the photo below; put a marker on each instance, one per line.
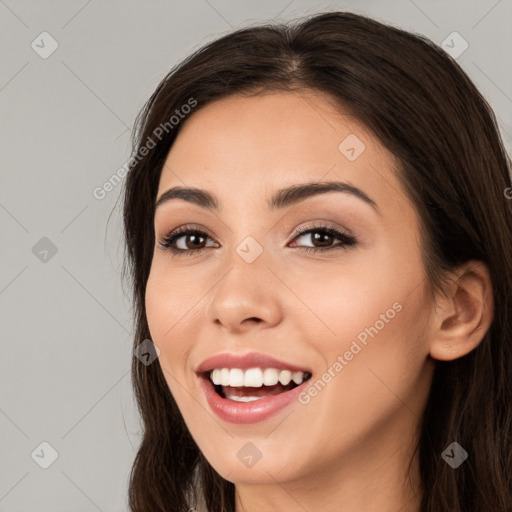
(419, 103)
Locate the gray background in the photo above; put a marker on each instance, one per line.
(66, 120)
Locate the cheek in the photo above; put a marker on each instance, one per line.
(171, 331)
(376, 364)
(171, 307)
(173, 297)
(354, 296)
(373, 349)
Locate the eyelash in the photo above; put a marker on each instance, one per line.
(167, 243)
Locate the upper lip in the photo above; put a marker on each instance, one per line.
(245, 361)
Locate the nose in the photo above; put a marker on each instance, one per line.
(246, 297)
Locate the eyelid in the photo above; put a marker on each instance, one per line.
(296, 232)
(184, 229)
(318, 225)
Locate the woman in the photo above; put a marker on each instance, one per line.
(319, 240)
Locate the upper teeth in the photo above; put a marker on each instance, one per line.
(254, 377)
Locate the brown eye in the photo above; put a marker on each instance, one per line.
(323, 237)
(191, 241)
(185, 241)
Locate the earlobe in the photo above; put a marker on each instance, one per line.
(463, 315)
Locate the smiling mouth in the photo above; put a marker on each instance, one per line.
(257, 390)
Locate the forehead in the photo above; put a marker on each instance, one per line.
(270, 138)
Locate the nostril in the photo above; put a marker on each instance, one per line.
(253, 318)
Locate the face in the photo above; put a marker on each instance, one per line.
(330, 282)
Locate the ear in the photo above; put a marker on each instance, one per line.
(463, 314)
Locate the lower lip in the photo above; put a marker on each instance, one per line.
(247, 412)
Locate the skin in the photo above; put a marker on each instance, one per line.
(348, 448)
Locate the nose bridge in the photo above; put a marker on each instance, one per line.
(250, 236)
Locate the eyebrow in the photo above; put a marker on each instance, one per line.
(281, 199)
